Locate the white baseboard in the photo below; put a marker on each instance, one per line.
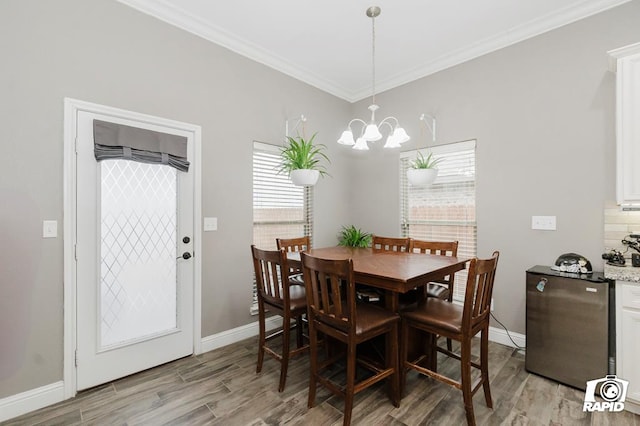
(499, 335)
(237, 334)
(31, 400)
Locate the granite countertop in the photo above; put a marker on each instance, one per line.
(622, 273)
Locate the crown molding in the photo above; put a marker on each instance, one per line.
(170, 14)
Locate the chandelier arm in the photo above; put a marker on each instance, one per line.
(364, 124)
(386, 120)
(388, 124)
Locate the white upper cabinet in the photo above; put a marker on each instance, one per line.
(626, 62)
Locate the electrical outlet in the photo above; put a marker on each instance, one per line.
(545, 223)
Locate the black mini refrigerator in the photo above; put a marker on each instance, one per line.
(569, 320)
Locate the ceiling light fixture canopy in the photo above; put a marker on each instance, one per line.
(371, 131)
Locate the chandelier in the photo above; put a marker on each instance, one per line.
(371, 132)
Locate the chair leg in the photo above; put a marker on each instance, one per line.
(432, 342)
(484, 366)
(404, 341)
(449, 346)
(299, 337)
(351, 379)
(465, 366)
(286, 331)
(392, 360)
(313, 363)
(261, 337)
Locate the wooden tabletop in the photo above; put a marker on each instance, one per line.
(397, 272)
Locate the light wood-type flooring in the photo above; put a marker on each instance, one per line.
(221, 388)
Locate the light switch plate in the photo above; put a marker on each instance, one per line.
(210, 224)
(49, 228)
(545, 223)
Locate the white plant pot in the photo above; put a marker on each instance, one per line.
(304, 177)
(421, 177)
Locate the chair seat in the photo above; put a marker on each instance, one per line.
(370, 317)
(438, 313)
(437, 290)
(297, 299)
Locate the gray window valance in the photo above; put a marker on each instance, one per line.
(117, 141)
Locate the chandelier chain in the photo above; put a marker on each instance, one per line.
(373, 59)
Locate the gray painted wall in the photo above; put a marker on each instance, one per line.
(104, 52)
(542, 112)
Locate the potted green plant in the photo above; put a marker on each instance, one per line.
(422, 170)
(350, 236)
(302, 160)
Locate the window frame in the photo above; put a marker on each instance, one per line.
(446, 176)
(282, 184)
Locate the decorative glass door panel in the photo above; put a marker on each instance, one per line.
(138, 251)
(134, 250)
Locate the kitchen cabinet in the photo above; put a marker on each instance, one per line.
(626, 63)
(628, 340)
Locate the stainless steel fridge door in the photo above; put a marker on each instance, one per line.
(567, 329)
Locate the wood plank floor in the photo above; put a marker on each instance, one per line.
(221, 388)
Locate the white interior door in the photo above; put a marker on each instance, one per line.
(135, 273)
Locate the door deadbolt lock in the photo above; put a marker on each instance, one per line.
(186, 240)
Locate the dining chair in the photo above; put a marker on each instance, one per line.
(389, 243)
(277, 296)
(351, 324)
(438, 317)
(291, 245)
(442, 289)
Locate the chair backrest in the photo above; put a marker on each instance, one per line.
(477, 299)
(442, 248)
(324, 281)
(389, 243)
(294, 244)
(268, 266)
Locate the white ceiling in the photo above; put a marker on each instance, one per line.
(328, 43)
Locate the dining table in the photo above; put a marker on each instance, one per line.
(391, 271)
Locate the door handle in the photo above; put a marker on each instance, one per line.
(186, 255)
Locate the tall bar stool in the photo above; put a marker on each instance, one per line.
(276, 295)
(349, 323)
(441, 318)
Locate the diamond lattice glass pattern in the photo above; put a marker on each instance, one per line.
(138, 250)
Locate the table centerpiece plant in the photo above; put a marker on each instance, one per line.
(350, 236)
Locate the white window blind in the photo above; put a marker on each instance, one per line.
(445, 210)
(280, 209)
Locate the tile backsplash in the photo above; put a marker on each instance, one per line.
(618, 224)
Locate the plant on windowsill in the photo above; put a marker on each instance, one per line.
(350, 236)
(422, 171)
(302, 160)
